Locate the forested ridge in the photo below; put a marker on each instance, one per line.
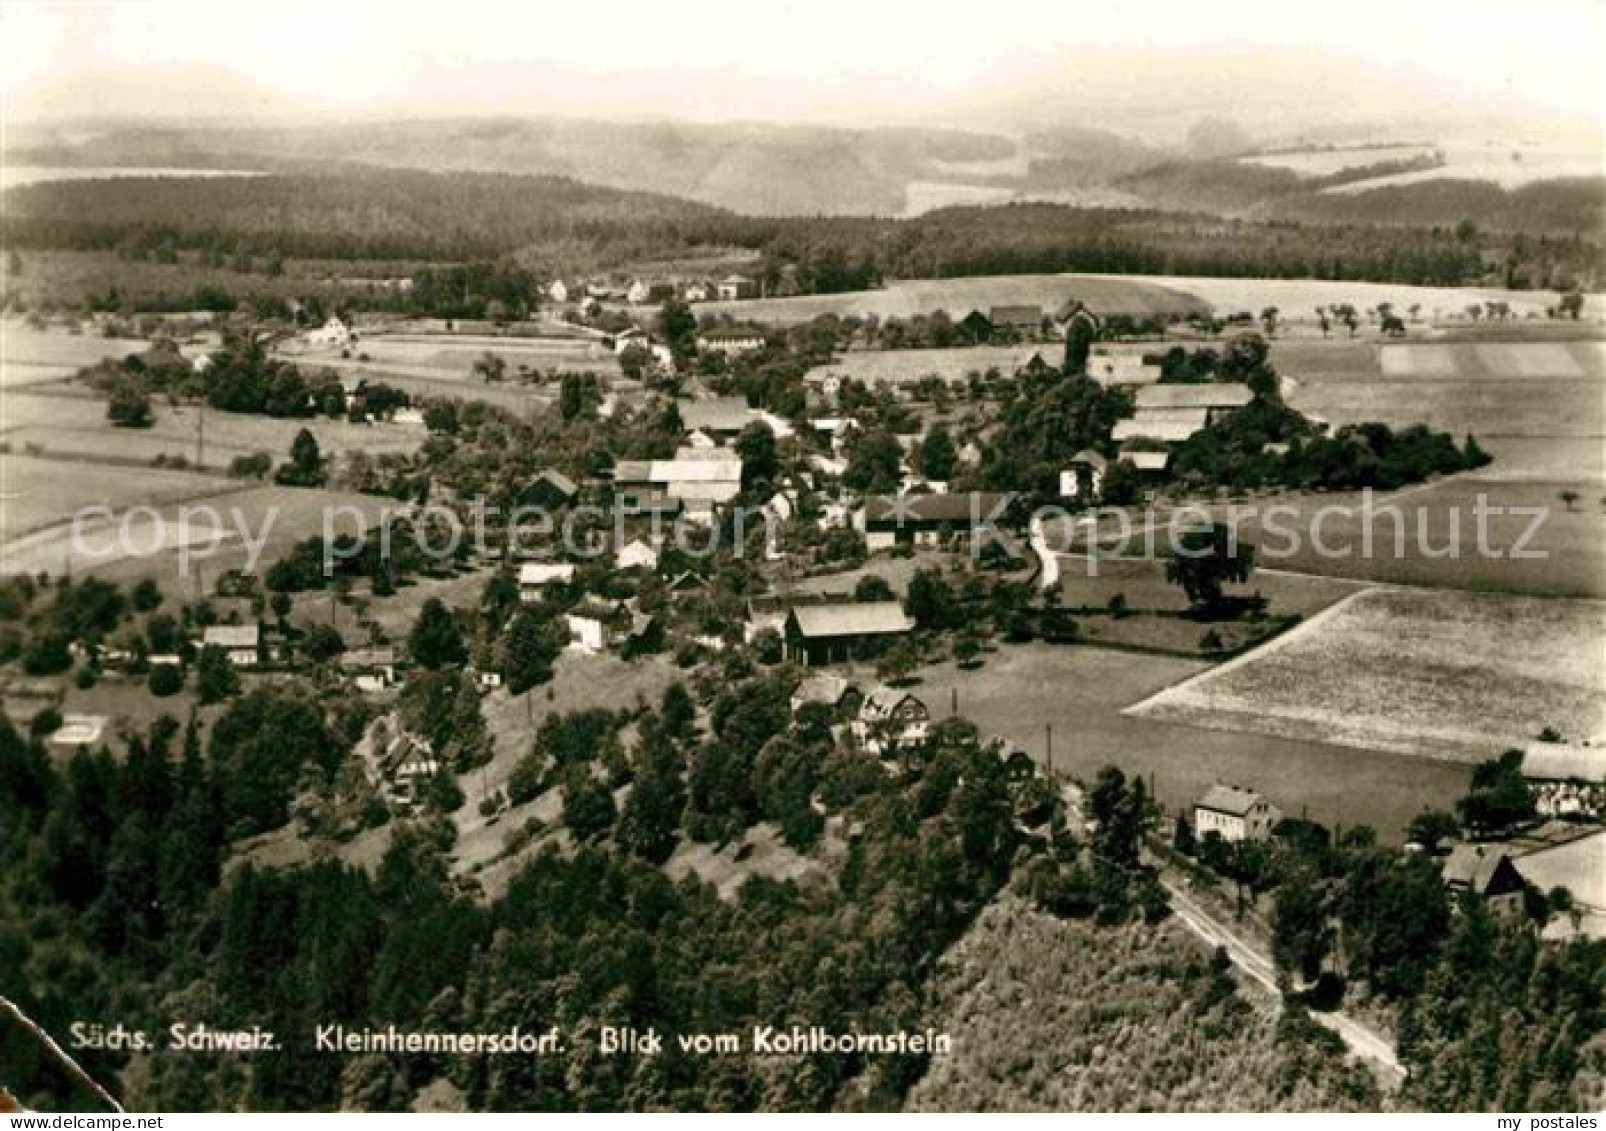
(398, 214)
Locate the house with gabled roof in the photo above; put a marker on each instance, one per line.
(925, 520)
(535, 577)
(1112, 365)
(241, 643)
(698, 480)
(1234, 814)
(890, 717)
(828, 690)
(734, 287)
(839, 632)
(1484, 871)
(1020, 318)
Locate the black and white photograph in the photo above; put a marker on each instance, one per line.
(841, 556)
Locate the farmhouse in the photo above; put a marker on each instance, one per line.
(1113, 365)
(333, 334)
(889, 718)
(768, 612)
(828, 690)
(1577, 864)
(1019, 319)
(372, 669)
(240, 642)
(823, 634)
(1234, 814)
(730, 339)
(696, 481)
(734, 287)
(721, 419)
(697, 292)
(976, 326)
(925, 520)
(1214, 396)
(1085, 477)
(596, 625)
(1486, 871)
(1173, 413)
(551, 489)
(534, 577)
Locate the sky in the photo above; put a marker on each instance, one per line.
(836, 61)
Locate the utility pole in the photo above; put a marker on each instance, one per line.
(200, 434)
(1050, 733)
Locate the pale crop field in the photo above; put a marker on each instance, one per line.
(128, 547)
(77, 425)
(31, 357)
(1106, 294)
(1509, 166)
(1538, 406)
(1431, 673)
(1022, 690)
(1321, 163)
(1494, 360)
(1297, 299)
(898, 367)
(37, 493)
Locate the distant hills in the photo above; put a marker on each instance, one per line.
(765, 170)
(753, 168)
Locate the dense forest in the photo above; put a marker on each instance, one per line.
(373, 214)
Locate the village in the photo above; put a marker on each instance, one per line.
(856, 542)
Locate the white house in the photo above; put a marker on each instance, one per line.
(733, 287)
(639, 553)
(890, 717)
(1085, 477)
(1234, 814)
(558, 291)
(238, 641)
(638, 292)
(78, 730)
(372, 669)
(333, 334)
(696, 292)
(1114, 365)
(534, 577)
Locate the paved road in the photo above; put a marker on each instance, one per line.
(1361, 1039)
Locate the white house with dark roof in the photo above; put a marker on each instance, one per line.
(891, 717)
(1234, 814)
